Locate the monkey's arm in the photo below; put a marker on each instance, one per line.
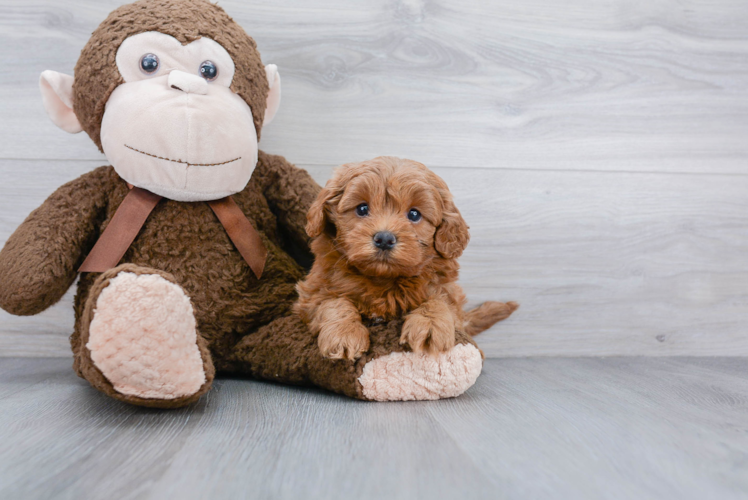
(290, 191)
(40, 260)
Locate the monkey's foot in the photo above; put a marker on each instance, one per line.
(286, 351)
(405, 376)
(142, 340)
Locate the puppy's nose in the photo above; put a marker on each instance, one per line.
(384, 240)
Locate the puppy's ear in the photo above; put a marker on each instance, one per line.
(316, 217)
(452, 235)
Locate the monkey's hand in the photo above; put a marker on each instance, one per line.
(40, 260)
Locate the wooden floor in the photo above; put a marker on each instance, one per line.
(598, 150)
(530, 428)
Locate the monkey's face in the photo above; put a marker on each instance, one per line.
(178, 114)
(175, 127)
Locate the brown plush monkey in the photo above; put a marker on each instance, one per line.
(207, 229)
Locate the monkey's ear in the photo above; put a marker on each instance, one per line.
(274, 96)
(57, 96)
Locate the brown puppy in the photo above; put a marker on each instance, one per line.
(387, 238)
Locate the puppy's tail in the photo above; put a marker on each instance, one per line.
(485, 315)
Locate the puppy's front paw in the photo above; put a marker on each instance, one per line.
(428, 334)
(349, 340)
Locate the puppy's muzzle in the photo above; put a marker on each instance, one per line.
(384, 240)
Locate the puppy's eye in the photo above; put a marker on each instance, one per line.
(149, 64)
(414, 215)
(362, 210)
(208, 70)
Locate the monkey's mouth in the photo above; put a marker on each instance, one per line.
(181, 161)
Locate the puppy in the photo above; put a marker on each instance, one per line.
(387, 236)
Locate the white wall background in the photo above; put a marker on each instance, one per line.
(599, 150)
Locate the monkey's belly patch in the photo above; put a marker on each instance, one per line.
(408, 376)
(143, 338)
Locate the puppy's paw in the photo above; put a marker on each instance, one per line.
(429, 334)
(349, 340)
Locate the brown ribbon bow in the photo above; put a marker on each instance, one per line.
(138, 205)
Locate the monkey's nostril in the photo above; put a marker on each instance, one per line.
(187, 83)
(384, 240)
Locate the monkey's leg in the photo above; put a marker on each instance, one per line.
(285, 351)
(139, 343)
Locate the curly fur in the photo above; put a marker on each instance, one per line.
(243, 325)
(96, 73)
(353, 282)
(184, 241)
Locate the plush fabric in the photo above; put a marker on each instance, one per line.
(172, 54)
(194, 157)
(143, 338)
(406, 377)
(284, 351)
(183, 304)
(188, 241)
(86, 367)
(39, 262)
(96, 74)
(274, 95)
(57, 96)
(244, 325)
(206, 146)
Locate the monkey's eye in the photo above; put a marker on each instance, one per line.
(362, 210)
(414, 215)
(208, 70)
(149, 64)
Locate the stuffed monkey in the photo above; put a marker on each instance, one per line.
(190, 244)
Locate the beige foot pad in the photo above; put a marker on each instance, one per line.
(143, 338)
(407, 376)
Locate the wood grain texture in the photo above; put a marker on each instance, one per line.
(596, 149)
(649, 86)
(529, 428)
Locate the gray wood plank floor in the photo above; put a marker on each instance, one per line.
(597, 149)
(530, 428)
